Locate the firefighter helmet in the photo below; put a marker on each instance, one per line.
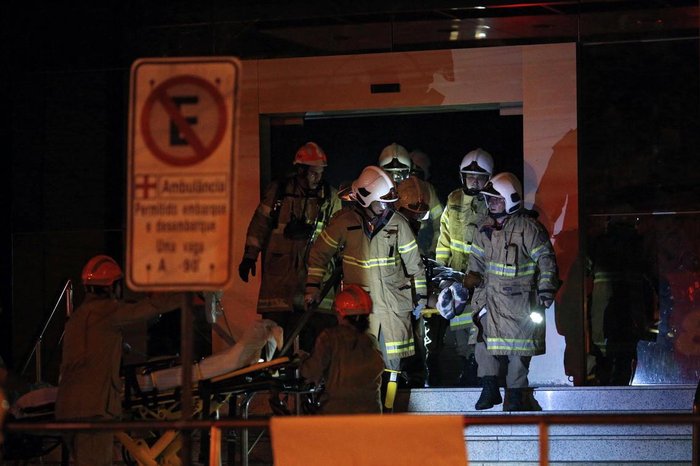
(101, 270)
(395, 160)
(353, 301)
(478, 162)
(373, 185)
(311, 154)
(506, 186)
(414, 198)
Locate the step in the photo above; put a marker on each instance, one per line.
(569, 444)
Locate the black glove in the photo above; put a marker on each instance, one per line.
(545, 298)
(245, 267)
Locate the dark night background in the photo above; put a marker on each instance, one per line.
(64, 84)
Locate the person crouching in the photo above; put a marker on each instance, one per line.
(346, 359)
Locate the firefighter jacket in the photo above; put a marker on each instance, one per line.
(385, 262)
(622, 300)
(90, 385)
(458, 227)
(283, 227)
(516, 261)
(350, 366)
(427, 236)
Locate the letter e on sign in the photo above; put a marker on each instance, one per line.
(183, 126)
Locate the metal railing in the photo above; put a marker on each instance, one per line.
(66, 292)
(215, 427)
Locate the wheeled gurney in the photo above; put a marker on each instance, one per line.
(152, 391)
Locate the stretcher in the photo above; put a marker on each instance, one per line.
(153, 392)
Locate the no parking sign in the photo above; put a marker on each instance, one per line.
(183, 120)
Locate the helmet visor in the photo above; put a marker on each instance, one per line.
(391, 196)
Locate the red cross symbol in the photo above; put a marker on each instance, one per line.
(144, 185)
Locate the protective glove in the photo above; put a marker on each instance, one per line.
(312, 295)
(545, 298)
(247, 266)
(419, 307)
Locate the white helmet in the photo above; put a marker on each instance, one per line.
(373, 185)
(478, 162)
(506, 186)
(395, 160)
(421, 163)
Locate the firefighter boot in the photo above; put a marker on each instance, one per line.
(515, 400)
(490, 394)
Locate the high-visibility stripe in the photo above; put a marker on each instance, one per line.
(602, 277)
(394, 347)
(477, 250)
(410, 246)
(442, 254)
(511, 344)
(460, 246)
(464, 320)
(370, 263)
(328, 240)
(539, 250)
(317, 272)
(510, 271)
(421, 285)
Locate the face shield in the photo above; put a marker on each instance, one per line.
(398, 175)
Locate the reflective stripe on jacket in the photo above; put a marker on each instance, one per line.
(388, 265)
(458, 226)
(515, 261)
(284, 256)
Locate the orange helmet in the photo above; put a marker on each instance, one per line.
(353, 301)
(101, 271)
(414, 198)
(311, 154)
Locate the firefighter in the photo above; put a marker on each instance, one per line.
(414, 204)
(89, 387)
(622, 299)
(458, 226)
(513, 272)
(345, 360)
(379, 252)
(290, 216)
(396, 161)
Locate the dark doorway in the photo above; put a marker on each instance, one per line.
(355, 141)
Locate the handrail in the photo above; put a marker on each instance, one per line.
(36, 349)
(543, 421)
